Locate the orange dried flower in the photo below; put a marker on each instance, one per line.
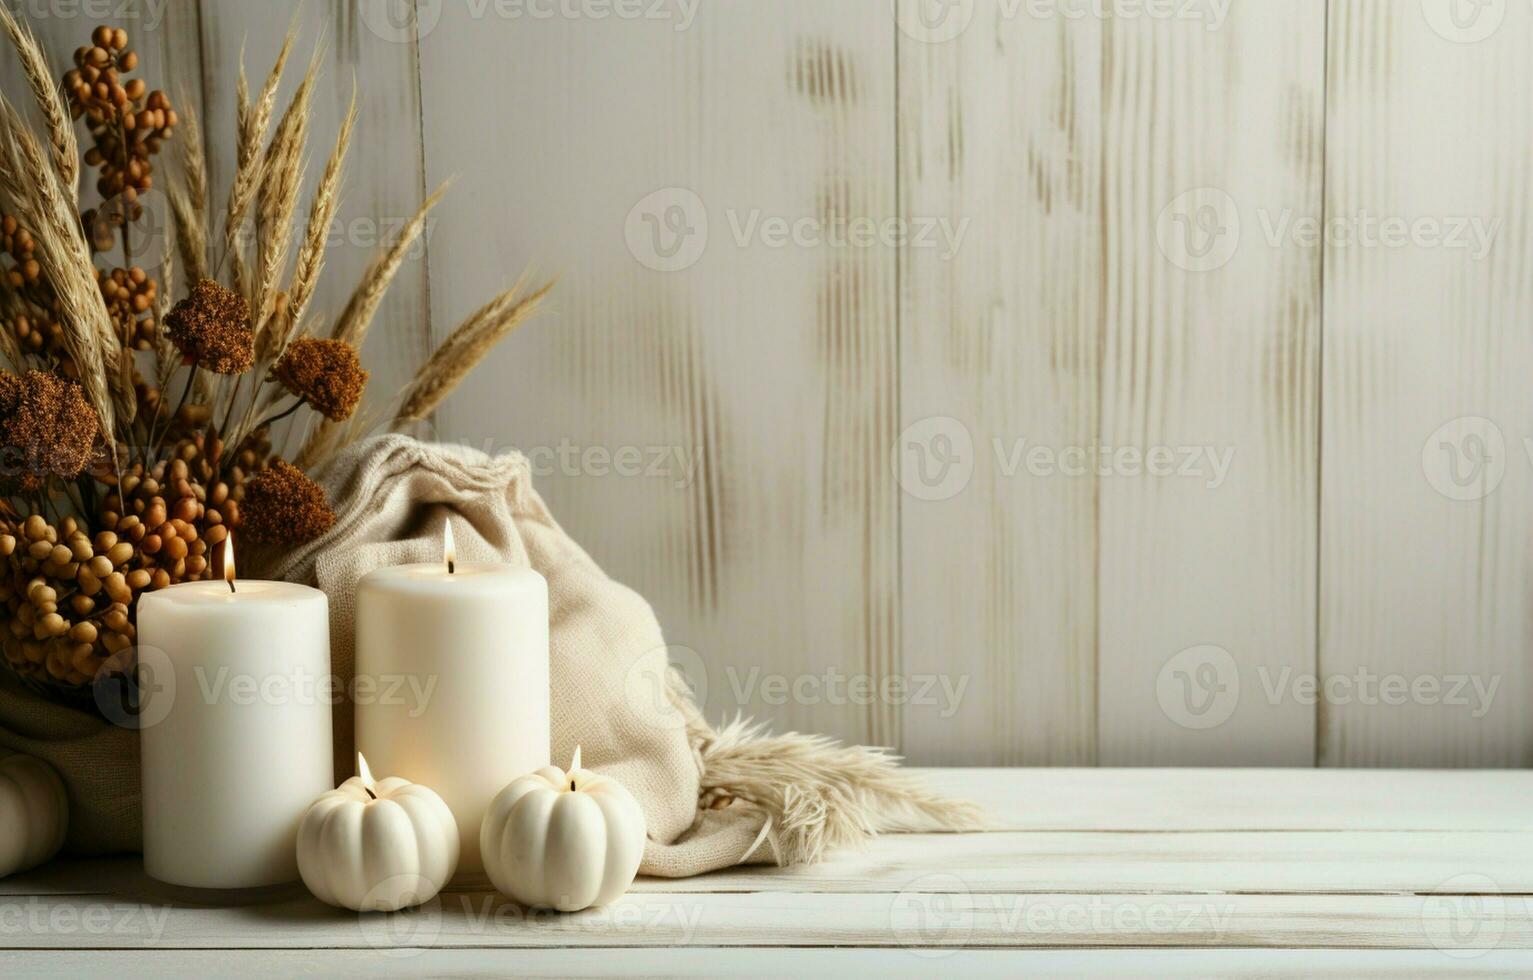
(47, 429)
(211, 329)
(283, 506)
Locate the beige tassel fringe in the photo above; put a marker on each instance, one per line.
(817, 794)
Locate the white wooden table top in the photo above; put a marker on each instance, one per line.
(1134, 871)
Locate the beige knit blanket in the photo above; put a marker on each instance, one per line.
(712, 798)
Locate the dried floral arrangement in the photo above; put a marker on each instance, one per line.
(137, 433)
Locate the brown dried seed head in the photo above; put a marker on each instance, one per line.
(47, 429)
(211, 328)
(283, 506)
(326, 373)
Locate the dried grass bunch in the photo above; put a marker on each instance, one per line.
(137, 433)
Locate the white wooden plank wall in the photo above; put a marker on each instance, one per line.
(902, 479)
(1209, 335)
(1425, 498)
(1000, 140)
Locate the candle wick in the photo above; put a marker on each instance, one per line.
(572, 786)
(370, 793)
(231, 585)
(449, 566)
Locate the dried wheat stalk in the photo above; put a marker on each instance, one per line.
(189, 200)
(353, 322)
(10, 349)
(166, 357)
(252, 120)
(278, 201)
(466, 346)
(311, 255)
(62, 147)
(38, 199)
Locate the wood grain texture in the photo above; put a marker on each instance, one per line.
(1426, 507)
(1029, 862)
(1434, 820)
(1362, 882)
(373, 44)
(1340, 964)
(1210, 343)
(1000, 152)
(711, 407)
(1112, 243)
(915, 916)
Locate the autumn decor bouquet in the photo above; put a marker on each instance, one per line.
(143, 414)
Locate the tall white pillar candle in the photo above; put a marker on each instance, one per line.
(452, 681)
(234, 728)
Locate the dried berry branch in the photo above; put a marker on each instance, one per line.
(84, 531)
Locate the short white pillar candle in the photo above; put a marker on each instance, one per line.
(451, 682)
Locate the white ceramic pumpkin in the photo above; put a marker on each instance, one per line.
(34, 813)
(563, 840)
(377, 846)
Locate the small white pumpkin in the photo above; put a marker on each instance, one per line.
(34, 813)
(563, 840)
(377, 846)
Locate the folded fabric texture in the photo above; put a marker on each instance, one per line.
(712, 797)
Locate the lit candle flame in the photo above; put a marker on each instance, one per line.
(574, 764)
(366, 776)
(449, 550)
(229, 559)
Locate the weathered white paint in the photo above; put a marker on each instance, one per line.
(1425, 506)
(1458, 894)
(767, 398)
(1209, 347)
(761, 376)
(1000, 141)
